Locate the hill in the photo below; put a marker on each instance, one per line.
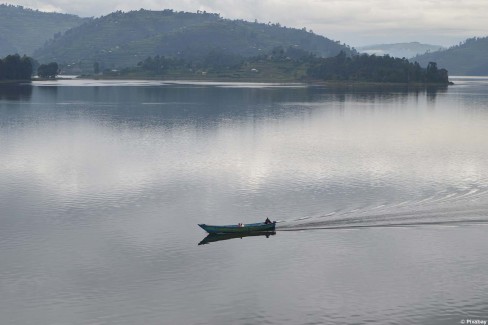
(400, 50)
(467, 58)
(25, 30)
(124, 39)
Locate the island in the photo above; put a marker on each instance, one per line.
(282, 65)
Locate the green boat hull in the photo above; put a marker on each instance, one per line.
(239, 229)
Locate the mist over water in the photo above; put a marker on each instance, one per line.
(103, 183)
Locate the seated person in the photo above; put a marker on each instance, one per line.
(267, 221)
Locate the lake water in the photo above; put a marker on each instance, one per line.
(381, 197)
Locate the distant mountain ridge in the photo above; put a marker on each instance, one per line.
(24, 30)
(400, 50)
(124, 39)
(468, 58)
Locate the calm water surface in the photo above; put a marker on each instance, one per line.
(381, 194)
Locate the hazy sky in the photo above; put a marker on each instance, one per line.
(354, 22)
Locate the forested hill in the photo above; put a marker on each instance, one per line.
(124, 39)
(24, 30)
(468, 58)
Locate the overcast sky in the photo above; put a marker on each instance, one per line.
(354, 22)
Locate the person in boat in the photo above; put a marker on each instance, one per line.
(267, 221)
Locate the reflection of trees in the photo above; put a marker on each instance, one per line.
(206, 104)
(15, 91)
(173, 104)
(390, 92)
(432, 92)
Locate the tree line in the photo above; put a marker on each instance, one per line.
(342, 67)
(372, 68)
(15, 67)
(361, 68)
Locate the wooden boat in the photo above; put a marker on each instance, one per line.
(239, 228)
(212, 238)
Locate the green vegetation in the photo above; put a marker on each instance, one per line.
(467, 58)
(15, 68)
(371, 68)
(180, 45)
(121, 40)
(284, 65)
(48, 71)
(279, 65)
(24, 30)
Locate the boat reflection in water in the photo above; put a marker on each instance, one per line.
(211, 238)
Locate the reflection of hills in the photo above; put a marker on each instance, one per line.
(200, 104)
(215, 238)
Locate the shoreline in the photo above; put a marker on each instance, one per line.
(348, 83)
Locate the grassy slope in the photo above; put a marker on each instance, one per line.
(24, 30)
(261, 70)
(123, 39)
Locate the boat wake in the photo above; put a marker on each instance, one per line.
(465, 207)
